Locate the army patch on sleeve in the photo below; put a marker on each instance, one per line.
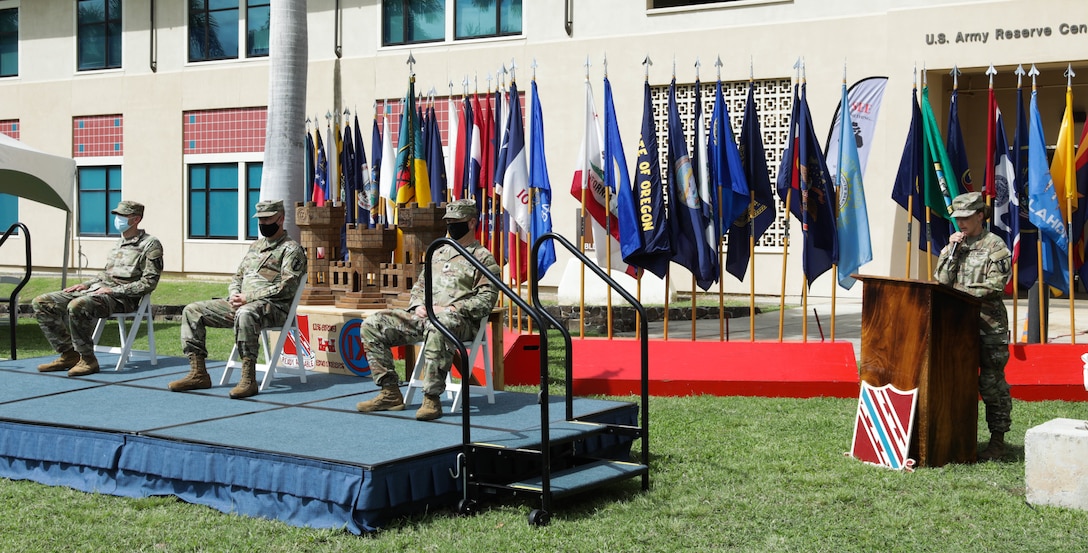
(1003, 260)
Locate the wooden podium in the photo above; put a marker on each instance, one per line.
(917, 334)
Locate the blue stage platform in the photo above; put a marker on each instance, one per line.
(296, 452)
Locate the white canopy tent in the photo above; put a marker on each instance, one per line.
(41, 177)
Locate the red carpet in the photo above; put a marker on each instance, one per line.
(769, 369)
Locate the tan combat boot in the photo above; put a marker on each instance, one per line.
(88, 364)
(389, 399)
(431, 408)
(247, 386)
(197, 379)
(996, 448)
(66, 361)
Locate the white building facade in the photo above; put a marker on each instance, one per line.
(163, 101)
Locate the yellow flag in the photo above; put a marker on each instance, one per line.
(1061, 168)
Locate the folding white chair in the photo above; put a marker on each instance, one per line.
(272, 355)
(479, 346)
(128, 336)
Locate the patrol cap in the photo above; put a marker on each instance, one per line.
(460, 209)
(128, 208)
(268, 208)
(966, 205)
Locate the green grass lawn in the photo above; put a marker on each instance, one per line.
(31, 342)
(727, 474)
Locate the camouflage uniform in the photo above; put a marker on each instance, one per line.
(269, 276)
(981, 266)
(457, 284)
(133, 269)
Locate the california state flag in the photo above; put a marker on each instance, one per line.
(588, 181)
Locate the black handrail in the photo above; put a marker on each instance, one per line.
(13, 308)
(644, 343)
(466, 392)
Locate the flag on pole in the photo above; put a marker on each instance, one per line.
(647, 244)
(940, 188)
(455, 164)
(500, 152)
(1006, 203)
(541, 221)
(421, 173)
(488, 148)
(759, 211)
(348, 167)
(310, 173)
(332, 179)
(515, 177)
(910, 165)
(321, 174)
(728, 182)
(957, 151)
(375, 171)
(616, 177)
(388, 167)
(1080, 211)
(362, 176)
(1064, 156)
(1025, 254)
(789, 171)
(588, 180)
(1044, 208)
(473, 184)
(852, 225)
(464, 149)
(502, 120)
(817, 196)
(436, 163)
(700, 163)
(687, 221)
(406, 190)
(472, 133)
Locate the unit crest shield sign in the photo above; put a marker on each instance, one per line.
(883, 427)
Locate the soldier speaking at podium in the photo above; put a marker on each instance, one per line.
(977, 262)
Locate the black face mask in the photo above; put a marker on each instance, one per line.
(457, 230)
(268, 229)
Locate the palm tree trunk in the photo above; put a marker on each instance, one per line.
(282, 177)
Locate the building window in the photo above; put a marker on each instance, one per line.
(213, 29)
(253, 195)
(99, 192)
(215, 209)
(476, 19)
(9, 41)
(413, 21)
(99, 34)
(9, 212)
(257, 25)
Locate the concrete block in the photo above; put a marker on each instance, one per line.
(1056, 463)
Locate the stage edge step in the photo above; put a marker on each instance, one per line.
(560, 432)
(584, 477)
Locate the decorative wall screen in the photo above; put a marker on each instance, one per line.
(774, 100)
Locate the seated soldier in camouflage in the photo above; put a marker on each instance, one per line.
(260, 296)
(463, 298)
(68, 317)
